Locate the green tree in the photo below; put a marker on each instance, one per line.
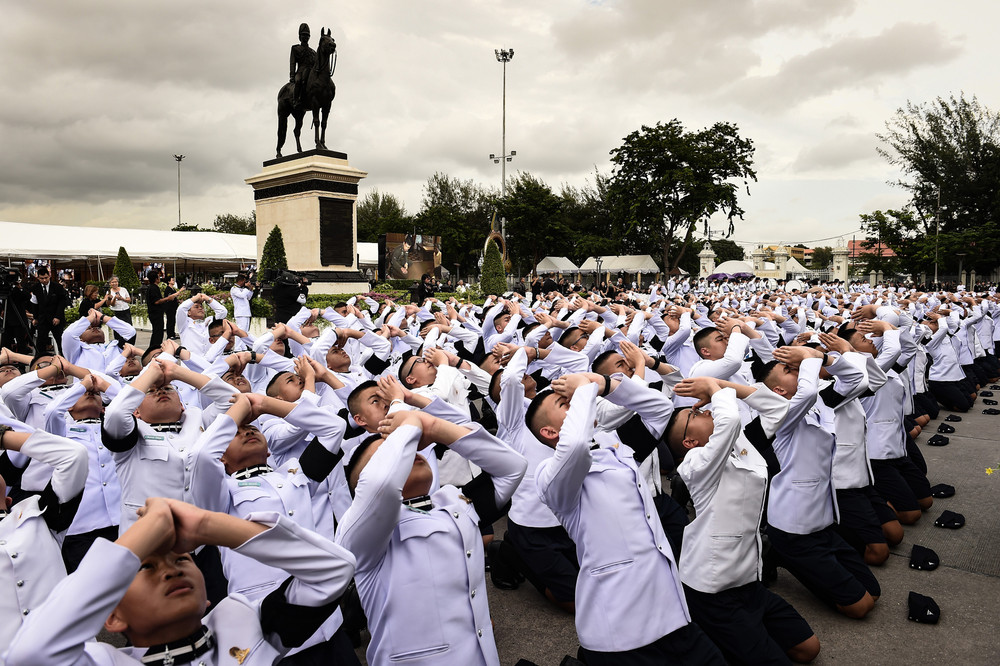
(379, 214)
(186, 227)
(229, 223)
(125, 271)
(459, 212)
(822, 257)
(587, 217)
(667, 179)
(896, 230)
(273, 255)
(948, 151)
(535, 222)
(494, 280)
(726, 250)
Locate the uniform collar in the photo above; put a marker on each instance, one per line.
(181, 652)
(421, 503)
(176, 426)
(97, 420)
(54, 387)
(250, 472)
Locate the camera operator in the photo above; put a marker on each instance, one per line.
(13, 305)
(290, 293)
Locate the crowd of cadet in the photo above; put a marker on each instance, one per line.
(231, 499)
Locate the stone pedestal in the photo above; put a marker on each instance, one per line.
(312, 196)
(758, 259)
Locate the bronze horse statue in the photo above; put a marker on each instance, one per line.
(317, 96)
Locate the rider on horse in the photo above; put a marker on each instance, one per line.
(302, 59)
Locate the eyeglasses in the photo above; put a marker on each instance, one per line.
(691, 413)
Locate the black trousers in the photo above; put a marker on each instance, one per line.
(951, 395)
(42, 336)
(156, 321)
(171, 316)
(125, 316)
(687, 645)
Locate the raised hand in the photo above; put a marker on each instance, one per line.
(702, 388)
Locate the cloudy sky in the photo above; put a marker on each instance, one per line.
(99, 96)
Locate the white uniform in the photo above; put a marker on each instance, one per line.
(64, 629)
(31, 562)
(156, 461)
(727, 479)
(411, 560)
(626, 563)
(241, 305)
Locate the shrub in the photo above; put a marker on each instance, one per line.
(273, 255)
(494, 281)
(125, 272)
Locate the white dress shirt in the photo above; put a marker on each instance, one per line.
(627, 568)
(410, 561)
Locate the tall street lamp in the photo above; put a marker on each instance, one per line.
(937, 234)
(503, 56)
(178, 158)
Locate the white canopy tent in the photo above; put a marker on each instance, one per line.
(368, 254)
(555, 265)
(91, 248)
(45, 241)
(794, 267)
(628, 263)
(733, 267)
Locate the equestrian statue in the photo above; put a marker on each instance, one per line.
(310, 87)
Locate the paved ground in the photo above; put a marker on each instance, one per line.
(966, 586)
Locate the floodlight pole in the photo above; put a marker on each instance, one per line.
(503, 56)
(178, 158)
(937, 234)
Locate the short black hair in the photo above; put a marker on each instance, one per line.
(402, 375)
(356, 458)
(495, 385)
(761, 371)
(355, 396)
(146, 354)
(563, 337)
(846, 331)
(700, 336)
(216, 324)
(267, 390)
(601, 358)
(532, 411)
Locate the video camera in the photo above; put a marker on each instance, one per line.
(9, 278)
(285, 276)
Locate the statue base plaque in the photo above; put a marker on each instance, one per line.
(312, 196)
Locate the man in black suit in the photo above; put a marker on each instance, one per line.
(49, 301)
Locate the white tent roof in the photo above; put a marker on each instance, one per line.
(45, 241)
(629, 263)
(733, 267)
(368, 254)
(793, 266)
(555, 265)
